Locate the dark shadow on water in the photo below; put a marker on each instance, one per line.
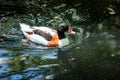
(96, 58)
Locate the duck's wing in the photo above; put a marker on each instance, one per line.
(39, 32)
(46, 30)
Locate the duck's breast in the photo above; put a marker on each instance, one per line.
(63, 42)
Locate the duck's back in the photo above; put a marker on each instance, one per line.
(47, 36)
(45, 29)
(45, 32)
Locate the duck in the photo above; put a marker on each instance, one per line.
(47, 36)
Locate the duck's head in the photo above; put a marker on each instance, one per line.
(64, 28)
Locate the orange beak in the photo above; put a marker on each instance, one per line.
(70, 31)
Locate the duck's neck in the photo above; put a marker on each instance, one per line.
(61, 34)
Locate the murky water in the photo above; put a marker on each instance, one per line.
(93, 52)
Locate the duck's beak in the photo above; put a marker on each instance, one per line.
(71, 31)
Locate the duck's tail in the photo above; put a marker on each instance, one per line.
(25, 27)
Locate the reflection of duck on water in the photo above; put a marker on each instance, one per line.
(47, 36)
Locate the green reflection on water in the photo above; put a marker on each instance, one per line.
(25, 61)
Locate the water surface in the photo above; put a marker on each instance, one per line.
(93, 52)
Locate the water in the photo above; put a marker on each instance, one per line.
(20, 61)
(27, 60)
(93, 52)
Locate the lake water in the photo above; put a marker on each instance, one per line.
(93, 52)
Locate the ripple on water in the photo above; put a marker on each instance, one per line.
(15, 56)
(29, 60)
